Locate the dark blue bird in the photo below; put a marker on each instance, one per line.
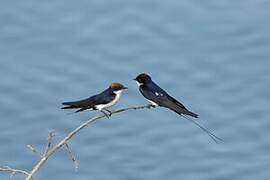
(100, 102)
(158, 97)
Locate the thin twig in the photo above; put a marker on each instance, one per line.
(72, 157)
(64, 141)
(13, 172)
(33, 149)
(50, 138)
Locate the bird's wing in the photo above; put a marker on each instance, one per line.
(154, 93)
(79, 104)
(102, 98)
(177, 102)
(176, 106)
(162, 98)
(105, 97)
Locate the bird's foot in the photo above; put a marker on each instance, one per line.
(105, 114)
(149, 106)
(110, 112)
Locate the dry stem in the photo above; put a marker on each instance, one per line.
(51, 150)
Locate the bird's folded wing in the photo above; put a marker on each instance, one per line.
(78, 104)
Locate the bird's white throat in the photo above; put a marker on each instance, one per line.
(139, 84)
(119, 92)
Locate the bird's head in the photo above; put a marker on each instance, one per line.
(142, 79)
(117, 87)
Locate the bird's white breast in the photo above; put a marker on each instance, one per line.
(153, 103)
(115, 100)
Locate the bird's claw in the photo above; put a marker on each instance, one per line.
(110, 112)
(107, 115)
(149, 106)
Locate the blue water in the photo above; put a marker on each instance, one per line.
(211, 55)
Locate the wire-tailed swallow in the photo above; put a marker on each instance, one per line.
(158, 97)
(100, 102)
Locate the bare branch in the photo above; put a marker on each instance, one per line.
(33, 149)
(50, 150)
(72, 157)
(49, 144)
(64, 141)
(13, 172)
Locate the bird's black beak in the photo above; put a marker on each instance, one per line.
(125, 87)
(134, 79)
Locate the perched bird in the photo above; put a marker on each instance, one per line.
(159, 97)
(100, 102)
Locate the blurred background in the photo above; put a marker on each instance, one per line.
(211, 55)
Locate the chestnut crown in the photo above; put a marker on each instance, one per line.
(117, 86)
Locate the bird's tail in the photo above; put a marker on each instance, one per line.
(181, 111)
(81, 105)
(192, 114)
(74, 105)
(70, 105)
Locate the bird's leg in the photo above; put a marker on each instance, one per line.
(149, 106)
(107, 110)
(105, 114)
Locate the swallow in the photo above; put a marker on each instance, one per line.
(159, 97)
(100, 101)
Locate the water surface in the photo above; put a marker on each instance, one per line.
(213, 56)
